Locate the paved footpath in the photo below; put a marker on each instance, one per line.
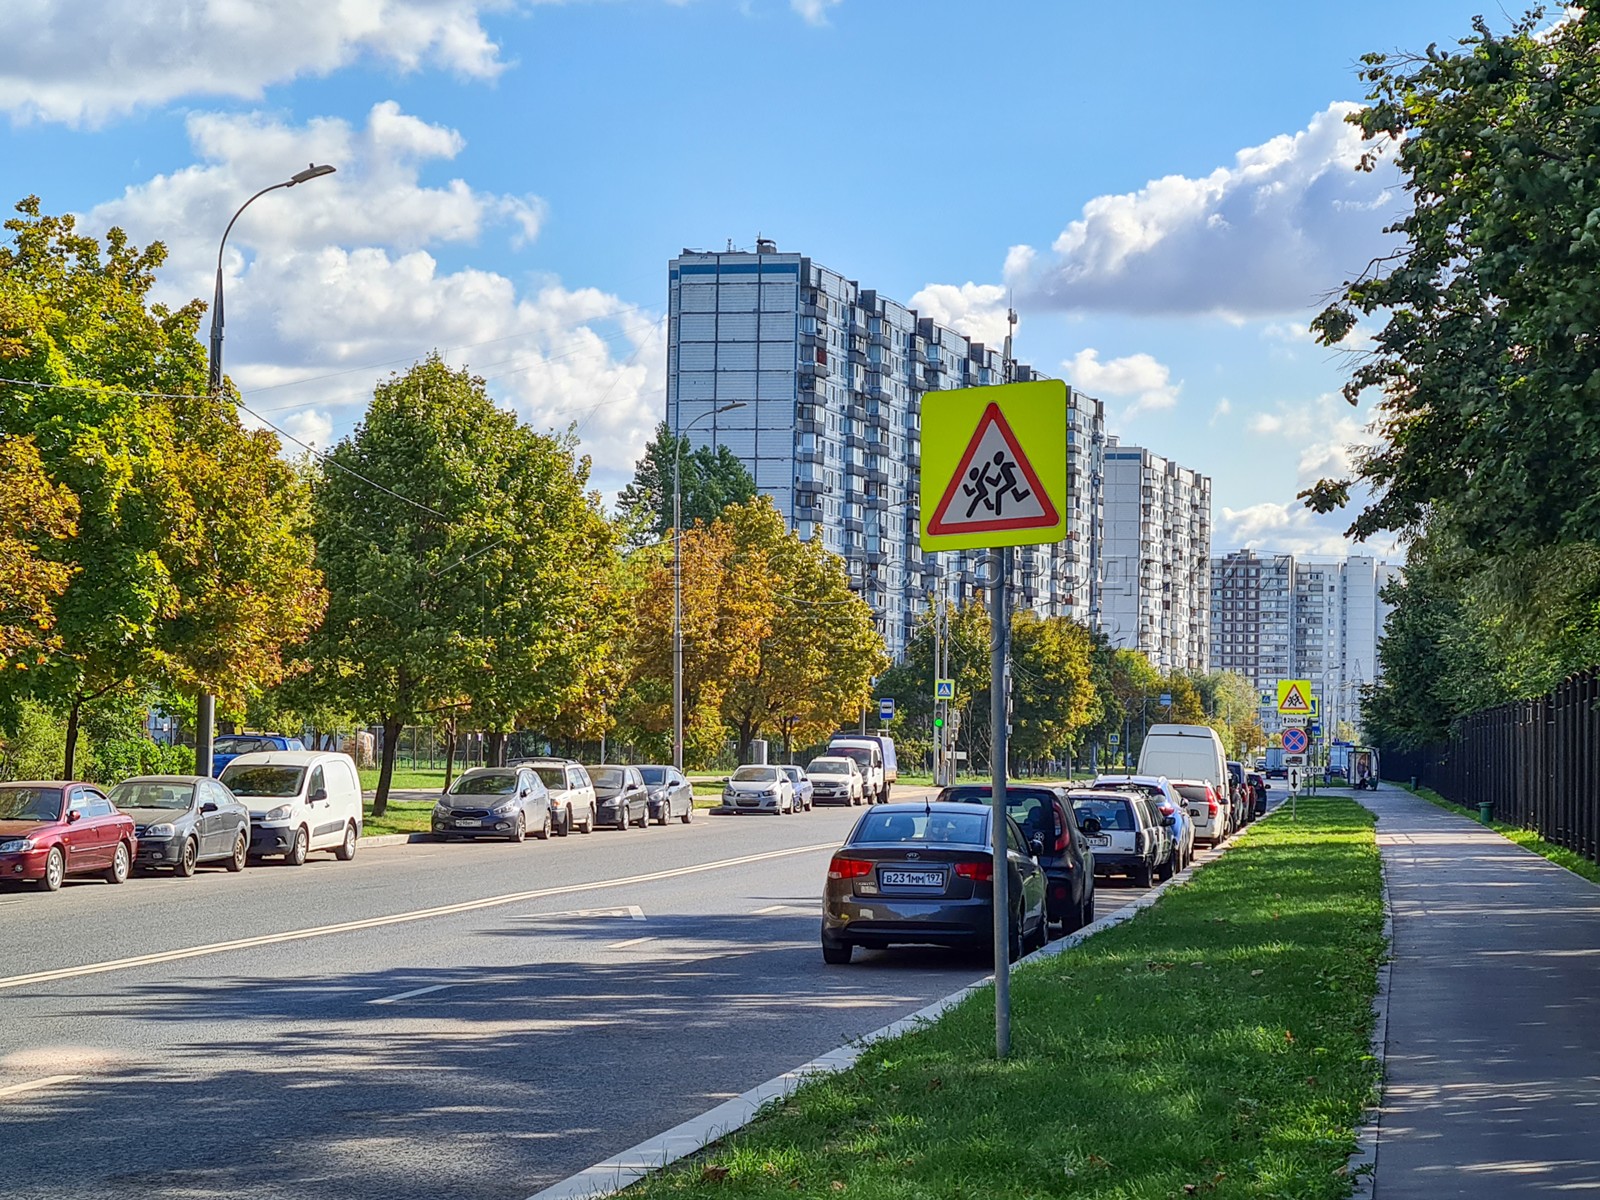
(1494, 1015)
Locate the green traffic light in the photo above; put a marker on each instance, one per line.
(938, 722)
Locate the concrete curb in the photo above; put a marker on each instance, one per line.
(392, 839)
(622, 1170)
(1362, 1165)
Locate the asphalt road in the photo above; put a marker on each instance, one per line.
(428, 1020)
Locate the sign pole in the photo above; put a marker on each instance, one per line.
(1000, 648)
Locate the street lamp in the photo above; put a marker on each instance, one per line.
(206, 705)
(677, 577)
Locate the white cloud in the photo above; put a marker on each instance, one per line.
(88, 60)
(975, 310)
(1223, 407)
(815, 12)
(1274, 233)
(332, 285)
(1139, 376)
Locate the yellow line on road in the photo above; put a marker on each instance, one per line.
(421, 914)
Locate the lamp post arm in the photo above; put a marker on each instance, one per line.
(214, 366)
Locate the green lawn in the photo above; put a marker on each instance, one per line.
(406, 778)
(402, 816)
(1216, 1045)
(1525, 838)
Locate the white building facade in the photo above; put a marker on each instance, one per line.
(1156, 565)
(830, 377)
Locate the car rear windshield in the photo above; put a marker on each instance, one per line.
(929, 827)
(152, 795)
(555, 777)
(756, 775)
(254, 780)
(1031, 808)
(240, 745)
(498, 783)
(653, 775)
(1112, 814)
(30, 804)
(1192, 791)
(829, 766)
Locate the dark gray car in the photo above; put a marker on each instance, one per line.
(624, 799)
(671, 795)
(182, 821)
(924, 873)
(499, 802)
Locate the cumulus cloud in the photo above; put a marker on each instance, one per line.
(815, 12)
(1273, 233)
(332, 285)
(975, 310)
(1139, 377)
(86, 61)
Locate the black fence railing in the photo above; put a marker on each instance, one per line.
(1536, 761)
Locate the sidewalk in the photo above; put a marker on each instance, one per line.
(1493, 1067)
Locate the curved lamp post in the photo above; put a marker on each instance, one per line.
(206, 706)
(677, 578)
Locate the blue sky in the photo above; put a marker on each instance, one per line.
(1165, 188)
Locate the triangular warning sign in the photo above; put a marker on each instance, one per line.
(1294, 701)
(994, 486)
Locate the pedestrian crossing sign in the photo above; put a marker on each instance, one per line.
(1294, 698)
(944, 689)
(994, 466)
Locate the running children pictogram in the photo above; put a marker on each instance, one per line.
(995, 487)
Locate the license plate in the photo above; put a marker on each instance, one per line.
(1099, 841)
(911, 878)
(468, 823)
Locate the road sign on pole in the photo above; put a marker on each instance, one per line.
(1294, 698)
(1295, 740)
(886, 709)
(944, 689)
(1166, 699)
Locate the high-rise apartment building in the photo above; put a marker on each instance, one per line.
(1156, 566)
(829, 379)
(1278, 617)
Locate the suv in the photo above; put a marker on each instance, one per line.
(1063, 848)
(1258, 790)
(1160, 792)
(1133, 839)
(1239, 796)
(572, 801)
(230, 745)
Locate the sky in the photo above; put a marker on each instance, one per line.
(1166, 192)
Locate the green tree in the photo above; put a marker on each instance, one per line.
(710, 480)
(32, 509)
(1052, 694)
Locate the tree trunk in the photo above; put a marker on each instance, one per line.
(497, 750)
(70, 765)
(391, 743)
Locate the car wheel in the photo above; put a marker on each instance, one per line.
(1088, 910)
(544, 831)
(589, 821)
(565, 828)
(519, 831)
(55, 870)
(1165, 871)
(346, 849)
(188, 860)
(836, 954)
(688, 813)
(1014, 946)
(666, 812)
(296, 856)
(884, 795)
(241, 852)
(117, 872)
(1142, 875)
(622, 818)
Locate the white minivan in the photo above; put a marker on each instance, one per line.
(299, 801)
(1189, 752)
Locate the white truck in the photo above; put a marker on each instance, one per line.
(874, 754)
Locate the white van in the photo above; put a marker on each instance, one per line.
(874, 754)
(1189, 752)
(299, 801)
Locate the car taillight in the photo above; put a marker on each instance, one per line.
(1211, 802)
(978, 872)
(848, 868)
(1061, 830)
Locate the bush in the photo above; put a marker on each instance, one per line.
(36, 744)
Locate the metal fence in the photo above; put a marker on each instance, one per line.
(1537, 762)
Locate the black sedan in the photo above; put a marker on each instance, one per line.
(1046, 820)
(182, 821)
(923, 873)
(671, 795)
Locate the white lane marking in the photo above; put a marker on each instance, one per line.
(421, 991)
(619, 910)
(33, 1085)
(638, 941)
(421, 914)
(778, 908)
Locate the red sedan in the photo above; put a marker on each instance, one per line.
(54, 829)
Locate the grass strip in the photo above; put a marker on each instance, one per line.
(402, 816)
(1525, 838)
(1218, 1044)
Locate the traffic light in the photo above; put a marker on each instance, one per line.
(938, 722)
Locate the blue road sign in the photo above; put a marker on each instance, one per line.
(886, 709)
(1166, 699)
(1295, 740)
(1316, 729)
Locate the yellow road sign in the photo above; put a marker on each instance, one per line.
(994, 466)
(1294, 698)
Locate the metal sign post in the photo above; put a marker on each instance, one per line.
(1000, 650)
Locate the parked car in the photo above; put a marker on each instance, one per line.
(757, 788)
(624, 800)
(230, 745)
(1043, 815)
(1240, 796)
(1258, 787)
(497, 802)
(1189, 752)
(50, 829)
(1210, 814)
(572, 800)
(874, 754)
(924, 874)
(1159, 790)
(182, 821)
(835, 779)
(670, 794)
(299, 801)
(1132, 840)
(805, 792)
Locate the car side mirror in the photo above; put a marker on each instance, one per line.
(74, 816)
(208, 807)
(1169, 821)
(1090, 825)
(318, 796)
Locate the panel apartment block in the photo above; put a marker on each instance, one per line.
(831, 376)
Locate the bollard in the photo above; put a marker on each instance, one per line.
(1413, 783)
(1486, 811)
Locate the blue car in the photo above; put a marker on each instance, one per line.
(228, 747)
